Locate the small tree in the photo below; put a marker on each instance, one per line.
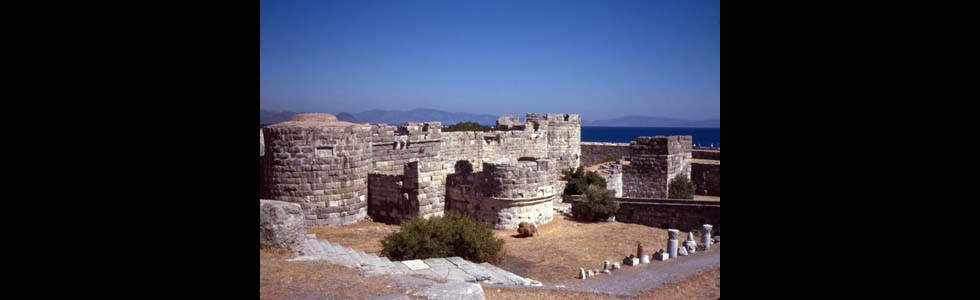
(466, 126)
(579, 180)
(598, 203)
(680, 188)
(450, 235)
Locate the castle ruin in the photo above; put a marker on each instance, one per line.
(341, 172)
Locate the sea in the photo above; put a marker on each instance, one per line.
(706, 137)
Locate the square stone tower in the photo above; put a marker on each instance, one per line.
(654, 162)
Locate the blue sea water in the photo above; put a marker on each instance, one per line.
(700, 136)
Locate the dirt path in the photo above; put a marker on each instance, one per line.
(634, 280)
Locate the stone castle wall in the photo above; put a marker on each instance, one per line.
(592, 153)
(329, 166)
(706, 154)
(706, 178)
(564, 135)
(684, 215)
(653, 162)
(613, 174)
(506, 192)
(320, 164)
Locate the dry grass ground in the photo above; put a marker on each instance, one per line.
(279, 279)
(707, 198)
(705, 286)
(554, 255)
(564, 245)
(365, 236)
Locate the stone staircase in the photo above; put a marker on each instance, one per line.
(449, 268)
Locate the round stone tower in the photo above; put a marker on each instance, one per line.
(320, 163)
(507, 192)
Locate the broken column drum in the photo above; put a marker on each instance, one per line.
(319, 163)
(672, 242)
(706, 236)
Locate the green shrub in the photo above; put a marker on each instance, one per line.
(680, 188)
(466, 126)
(598, 203)
(450, 235)
(579, 181)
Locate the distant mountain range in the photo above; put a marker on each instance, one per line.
(395, 117)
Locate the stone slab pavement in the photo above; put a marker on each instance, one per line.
(452, 269)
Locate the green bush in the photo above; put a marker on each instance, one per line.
(680, 188)
(579, 181)
(598, 203)
(466, 126)
(450, 235)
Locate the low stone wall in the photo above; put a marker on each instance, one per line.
(592, 153)
(707, 179)
(706, 154)
(684, 215)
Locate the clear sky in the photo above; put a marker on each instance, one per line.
(601, 59)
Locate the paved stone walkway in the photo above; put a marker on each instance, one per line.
(631, 280)
(453, 269)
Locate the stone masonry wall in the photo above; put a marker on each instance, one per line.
(706, 178)
(706, 154)
(684, 215)
(321, 165)
(388, 200)
(613, 174)
(592, 153)
(564, 136)
(653, 162)
(506, 193)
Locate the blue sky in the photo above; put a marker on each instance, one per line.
(601, 59)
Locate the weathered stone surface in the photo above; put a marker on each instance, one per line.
(682, 251)
(452, 291)
(415, 264)
(616, 266)
(631, 261)
(327, 166)
(281, 225)
(645, 259)
(593, 152)
(606, 265)
(654, 161)
(718, 239)
(507, 192)
(661, 256)
(706, 236)
(525, 229)
(582, 274)
(591, 273)
(672, 242)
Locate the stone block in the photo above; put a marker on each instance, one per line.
(281, 225)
